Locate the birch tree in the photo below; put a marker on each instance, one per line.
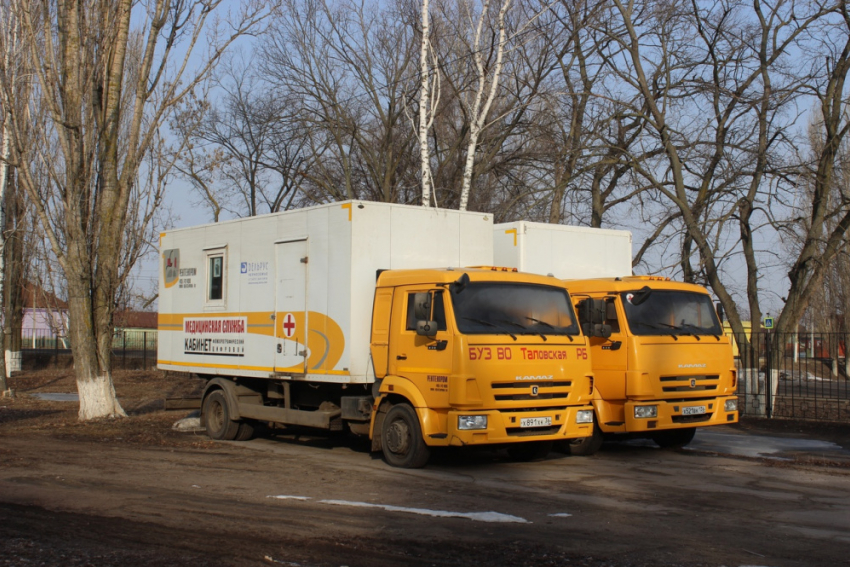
(487, 86)
(107, 89)
(429, 96)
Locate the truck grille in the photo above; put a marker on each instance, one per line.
(523, 391)
(701, 383)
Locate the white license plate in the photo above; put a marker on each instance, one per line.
(693, 410)
(535, 421)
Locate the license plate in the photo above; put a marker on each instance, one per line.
(693, 410)
(535, 421)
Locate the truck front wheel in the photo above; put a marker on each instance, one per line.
(674, 438)
(587, 446)
(217, 417)
(401, 438)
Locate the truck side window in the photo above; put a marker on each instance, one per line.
(438, 311)
(611, 315)
(215, 277)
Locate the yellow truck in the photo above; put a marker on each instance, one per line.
(661, 362)
(360, 316)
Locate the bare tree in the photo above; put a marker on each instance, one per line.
(828, 212)
(429, 97)
(721, 108)
(349, 65)
(487, 79)
(107, 90)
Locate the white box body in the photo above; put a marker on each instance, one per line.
(298, 286)
(566, 252)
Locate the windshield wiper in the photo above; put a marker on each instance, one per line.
(525, 330)
(674, 327)
(695, 328)
(489, 324)
(545, 324)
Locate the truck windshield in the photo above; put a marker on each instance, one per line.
(665, 312)
(514, 309)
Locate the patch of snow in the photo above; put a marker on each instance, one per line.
(286, 497)
(56, 397)
(188, 425)
(271, 559)
(560, 515)
(475, 516)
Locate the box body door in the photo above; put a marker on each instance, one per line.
(291, 321)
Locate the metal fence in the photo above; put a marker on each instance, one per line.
(132, 350)
(794, 375)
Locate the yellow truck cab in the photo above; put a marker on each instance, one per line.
(362, 316)
(481, 356)
(666, 367)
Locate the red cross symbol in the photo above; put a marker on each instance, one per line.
(289, 325)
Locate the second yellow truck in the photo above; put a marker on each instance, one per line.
(662, 366)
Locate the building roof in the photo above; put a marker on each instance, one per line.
(36, 297)
(135, 319)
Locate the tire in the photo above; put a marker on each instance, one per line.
(217, 417)
(529, 450)
(674, 438)
(587, 446)
(246, 431)
(401, 438)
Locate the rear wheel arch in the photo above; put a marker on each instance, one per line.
(229, 388)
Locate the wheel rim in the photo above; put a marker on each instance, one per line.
(398, 437)
(216, 416)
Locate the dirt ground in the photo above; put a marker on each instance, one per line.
(135, 492)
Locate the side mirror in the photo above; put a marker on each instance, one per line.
(591, 313)
(720, 314)
(422, 306)
(426, 328)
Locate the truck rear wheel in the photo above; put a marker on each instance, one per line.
(246, 430)
(674, 438)
(587, 446)
(401, 438)
(217, 417)
(530, 450)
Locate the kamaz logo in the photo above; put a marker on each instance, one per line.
(535, 390)
(693, 383)
(703, 365)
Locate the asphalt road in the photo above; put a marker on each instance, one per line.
(731, 499)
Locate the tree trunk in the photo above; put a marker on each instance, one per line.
(5, 140)
(425, 107)
(94, 379)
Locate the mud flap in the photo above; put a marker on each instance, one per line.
(379, 424)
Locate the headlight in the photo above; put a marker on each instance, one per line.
(584, 416)
(471, 422)
(642, 412)
(732, 405)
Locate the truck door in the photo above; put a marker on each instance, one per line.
(291, 306)
(610, 356)
(426, 361)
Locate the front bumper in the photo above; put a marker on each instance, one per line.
(440, 428)
(671, 415)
